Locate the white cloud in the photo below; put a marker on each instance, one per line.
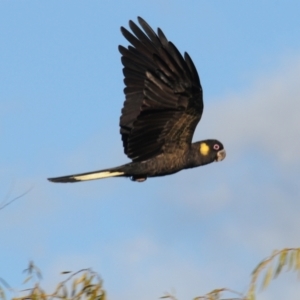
(241, 217)
(266, 116)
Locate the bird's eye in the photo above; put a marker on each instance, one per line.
(216, 147)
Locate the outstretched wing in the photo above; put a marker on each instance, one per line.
(163, 94)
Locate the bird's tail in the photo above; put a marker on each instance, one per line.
(118, 171)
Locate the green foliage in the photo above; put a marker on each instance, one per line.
(271, 267)
(288, 258)
(3, 283)
(214, 295)
(81, 285)
(87, 285)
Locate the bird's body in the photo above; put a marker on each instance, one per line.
(162, 109)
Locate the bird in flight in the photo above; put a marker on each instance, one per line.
(163, 105)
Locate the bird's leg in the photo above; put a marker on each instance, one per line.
(138, 179)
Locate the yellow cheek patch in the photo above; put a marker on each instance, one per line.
(204, 149)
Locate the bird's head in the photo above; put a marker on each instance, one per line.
(208, 151)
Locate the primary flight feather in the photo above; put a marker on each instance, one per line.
(164, 103)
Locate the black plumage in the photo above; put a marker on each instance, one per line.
(164, 103)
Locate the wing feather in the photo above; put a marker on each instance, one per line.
(163, 94)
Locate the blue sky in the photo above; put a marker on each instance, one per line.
(61, 93)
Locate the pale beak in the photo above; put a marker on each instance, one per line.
(221, 155)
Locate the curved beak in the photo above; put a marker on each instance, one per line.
(221, 155)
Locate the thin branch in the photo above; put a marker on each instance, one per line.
(18, 197)
(219, 291)
(5, 283)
